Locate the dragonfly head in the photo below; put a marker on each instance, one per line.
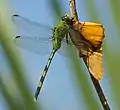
(69, 20)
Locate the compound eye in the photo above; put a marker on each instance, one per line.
(63, 18)
(66, 16)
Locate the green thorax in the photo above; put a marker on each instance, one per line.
(59, 32)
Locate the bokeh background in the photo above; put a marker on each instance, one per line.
(68, 85)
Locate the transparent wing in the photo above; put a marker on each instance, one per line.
(66, 45)
(42, 45)
(31, 27)
(65, 48)
(34, 44)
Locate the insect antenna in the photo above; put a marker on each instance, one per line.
(44, 74)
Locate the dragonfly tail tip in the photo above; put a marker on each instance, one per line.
(35, 99)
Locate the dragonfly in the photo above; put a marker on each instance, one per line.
(65, 33)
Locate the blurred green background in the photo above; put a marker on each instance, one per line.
(16, 88)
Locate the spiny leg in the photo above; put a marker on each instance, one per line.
(44, 74)
(67, 39)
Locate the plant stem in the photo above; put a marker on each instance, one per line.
(100, 93)
(73, 11)
(96, 84)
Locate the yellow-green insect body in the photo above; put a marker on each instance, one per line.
(59, 32)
